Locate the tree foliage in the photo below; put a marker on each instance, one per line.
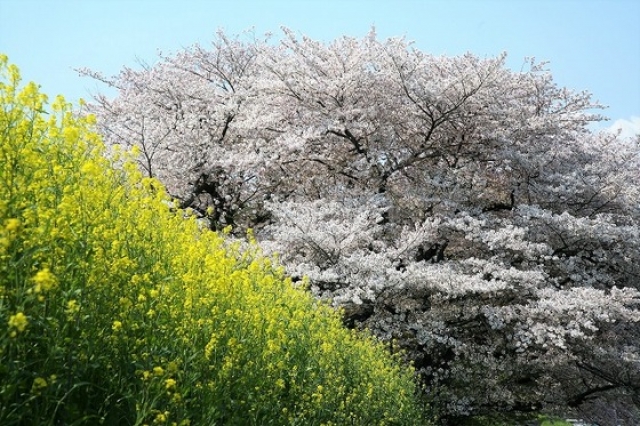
(463, 210)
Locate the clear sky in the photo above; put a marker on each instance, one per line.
(591, 45)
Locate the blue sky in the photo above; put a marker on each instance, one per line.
(592, 45)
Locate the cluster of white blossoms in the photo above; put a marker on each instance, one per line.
(455, 207)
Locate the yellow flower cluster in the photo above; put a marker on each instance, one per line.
(145, 317)
(44, 281)
(17, 324)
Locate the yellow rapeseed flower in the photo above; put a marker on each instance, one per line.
(44, 280)
(117, 326)
(72, 308)
(11, 225)
(39, 383)
(4, 244)
(160, 418)
(18, 322)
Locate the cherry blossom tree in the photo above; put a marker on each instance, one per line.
(458, 209)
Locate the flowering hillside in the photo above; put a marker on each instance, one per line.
(463, 210)
(117, 310)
